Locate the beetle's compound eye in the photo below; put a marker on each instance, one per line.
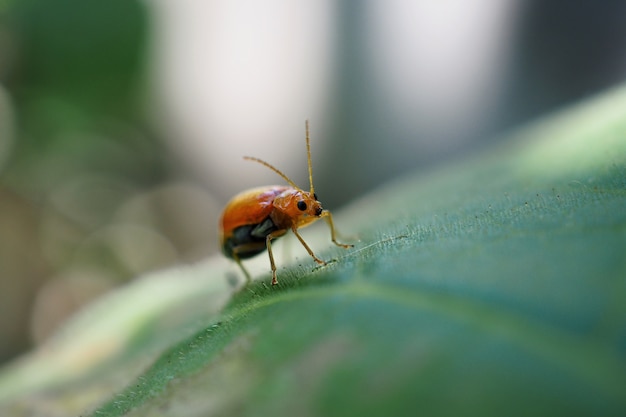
(301, 205)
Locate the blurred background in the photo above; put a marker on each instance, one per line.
(123, 123)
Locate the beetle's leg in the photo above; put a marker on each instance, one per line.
(329, 219)
(245, 271)
(318, 260)
(268, 244)
(238, 260)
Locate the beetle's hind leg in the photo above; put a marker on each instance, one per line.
(235, 255)
(244, 270)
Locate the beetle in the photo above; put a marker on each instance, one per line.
(253, 218)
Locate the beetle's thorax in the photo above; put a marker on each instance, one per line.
(288, 208)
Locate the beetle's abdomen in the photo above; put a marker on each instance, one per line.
(248, 240)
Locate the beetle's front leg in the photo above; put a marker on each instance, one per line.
(329, 219)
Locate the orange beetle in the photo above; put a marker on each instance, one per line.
(253, 218)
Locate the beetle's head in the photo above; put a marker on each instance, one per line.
(300, 206)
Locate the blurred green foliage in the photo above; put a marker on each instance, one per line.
(75, 145)
(76, 78)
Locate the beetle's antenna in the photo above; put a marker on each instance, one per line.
(273, 168)
(308, 156)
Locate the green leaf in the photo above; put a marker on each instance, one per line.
(494, 286)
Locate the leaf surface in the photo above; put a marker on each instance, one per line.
(494, 286)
